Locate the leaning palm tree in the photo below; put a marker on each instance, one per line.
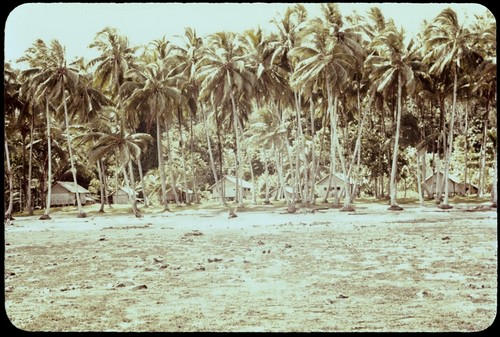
(127, 147)
(448, 48)
(393, 66)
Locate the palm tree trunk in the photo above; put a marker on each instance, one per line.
(183, 159)
(143, 186)
(312, 181)
(81, 213)
(29, 204)
(210, 153)
(466, 133)
(450, 143)
(161, 165)
(193, 167)
(419, 180)
(394, 206)
(46, 215)
(482, 158)
(171, 168)
(266, 171)
(305, 197)
(130, 181)
(8, 213)
(239, 198)
(101, 180)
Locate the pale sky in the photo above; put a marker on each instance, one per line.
(75, 25)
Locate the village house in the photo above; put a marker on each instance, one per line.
(229, 185)
(184, 195)
(338, 180)
(455, 187)
(122, 196)
(64, 193)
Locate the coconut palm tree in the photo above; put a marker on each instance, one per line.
(54, 80)
(328, 56)
(393, 66)
(448, 49)
(12, 105)
(127, 147)
(154, 90)
(225, 78)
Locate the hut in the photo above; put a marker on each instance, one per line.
(229, 185)
(338, 180)
(122, 195)
(454, 185)
(64, 193)
(184, 194)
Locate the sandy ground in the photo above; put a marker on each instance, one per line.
(422, 269)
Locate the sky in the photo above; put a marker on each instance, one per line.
(75, 25)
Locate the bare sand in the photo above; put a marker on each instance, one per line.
(419, 270)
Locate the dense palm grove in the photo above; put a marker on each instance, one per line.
(317, 96)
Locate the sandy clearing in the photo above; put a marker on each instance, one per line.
(422, 269)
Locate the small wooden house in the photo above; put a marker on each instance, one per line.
(184, 194)
(229, 185)
(454, 185)
(64, 193)
(122, 195)
(338, 180)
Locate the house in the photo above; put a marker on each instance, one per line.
(468, 188)
(454, 185)
(229, 185)
(338, 180)
(184, 194)
(64, 193)
(122, 195)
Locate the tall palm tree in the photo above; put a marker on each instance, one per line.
(12, 103)
(449, 49)
(328, 56)
(225, 78)
(155, 90)
(393, 66)
(53, 79)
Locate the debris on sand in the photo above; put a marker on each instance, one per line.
(214, 260)
(260, 242)
(200, 268)
(342, 296)
(102, 238)
(287, 245)
(445, 238)
(142, 286)
(480, 208)
(157, 260)
(194, 232)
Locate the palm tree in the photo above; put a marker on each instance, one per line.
(448, 49)
(327, 56)
(127, 148)
(52, 79)
(12, 103)
(154, 90)
(394, 66)
(225, 78)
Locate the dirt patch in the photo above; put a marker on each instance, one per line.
(415, 270)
